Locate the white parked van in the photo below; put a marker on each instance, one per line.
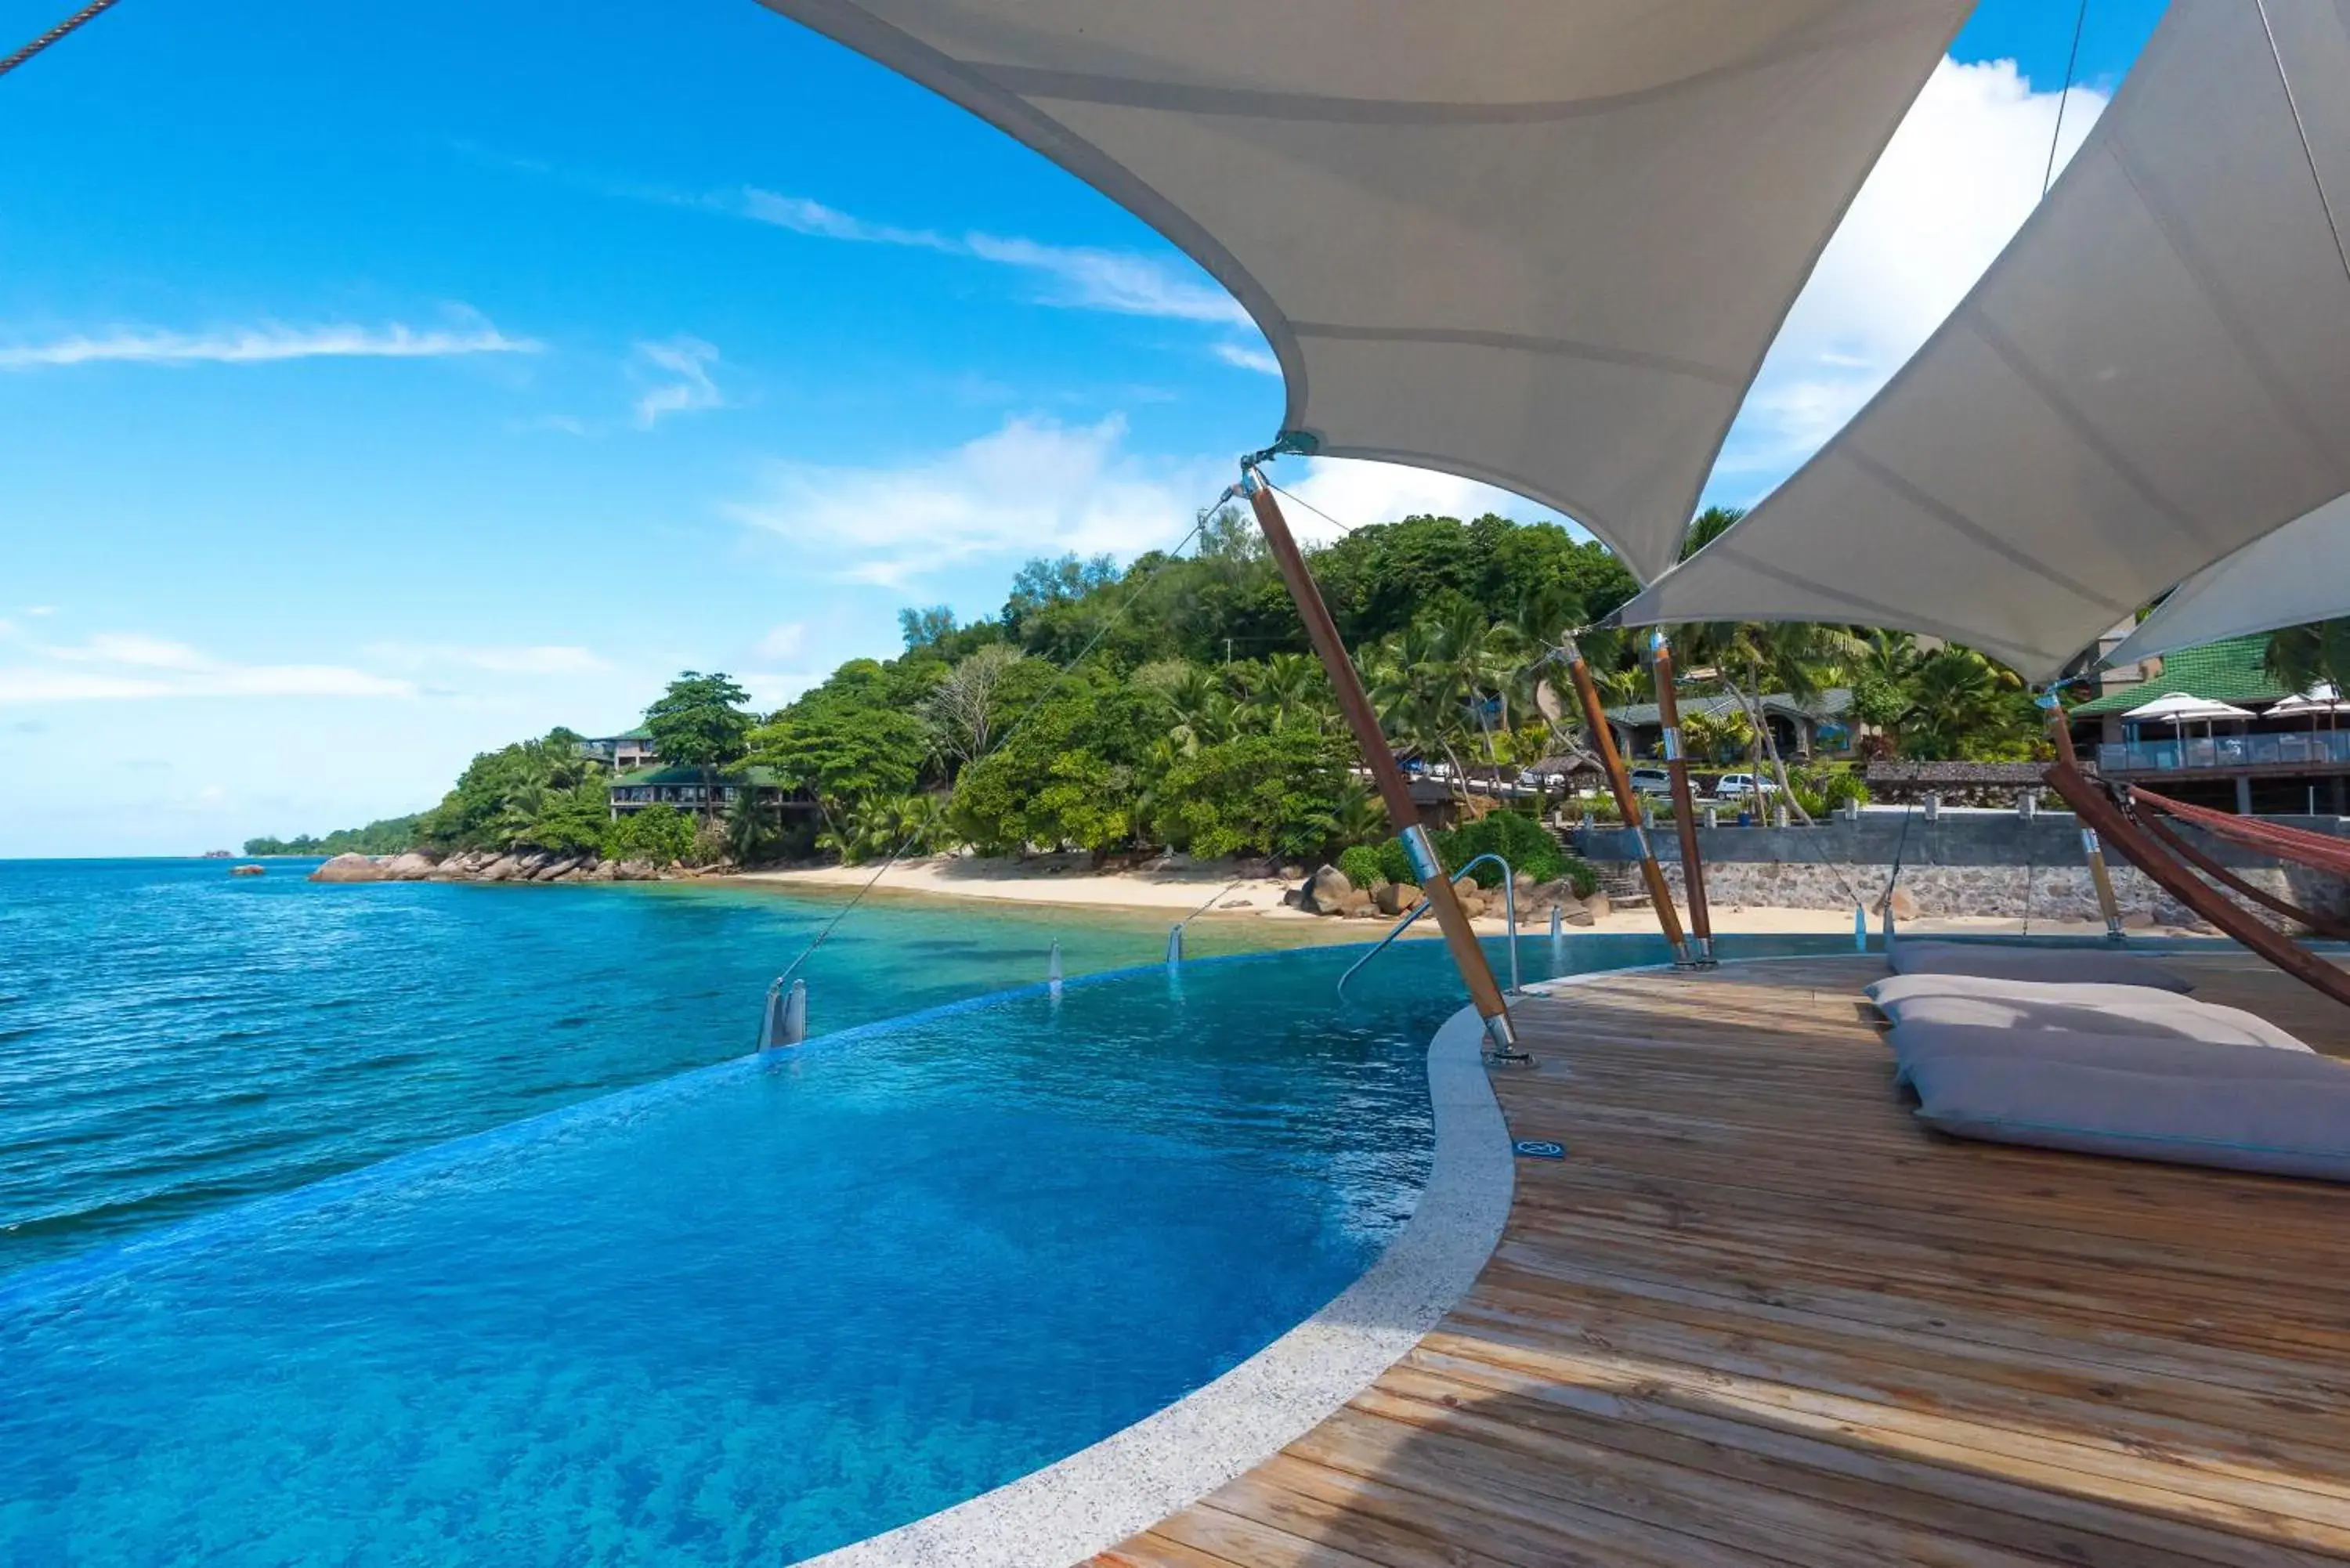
(1742, 786)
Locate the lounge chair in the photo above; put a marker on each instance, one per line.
(2006, 960)
(2038, 1007)
(2285, 1113)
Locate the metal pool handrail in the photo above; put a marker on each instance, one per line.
(1509, 906)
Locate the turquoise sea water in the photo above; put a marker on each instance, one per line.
(739, 1314)
(173, 1039)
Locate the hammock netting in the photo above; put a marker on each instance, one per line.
(2320, 851)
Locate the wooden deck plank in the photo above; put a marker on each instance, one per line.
(1760, 1316)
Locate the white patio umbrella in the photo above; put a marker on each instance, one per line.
(2321, 698)
(2184, 708)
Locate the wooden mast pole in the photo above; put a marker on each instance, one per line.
(2060, 730)
(1356, 704)
(2095, 808)
(1603, 740)
(1700, 945)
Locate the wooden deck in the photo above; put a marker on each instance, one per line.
(1760, 1316)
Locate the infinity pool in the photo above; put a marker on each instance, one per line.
(742, 1315)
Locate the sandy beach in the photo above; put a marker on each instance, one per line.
(1226, 892)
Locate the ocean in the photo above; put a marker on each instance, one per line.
(174, 1040)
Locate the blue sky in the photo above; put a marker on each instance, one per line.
(379, 384)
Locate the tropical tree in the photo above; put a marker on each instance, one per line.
(1713, 737)
(1963, 707)
(1289, 688)
(1883, 677)
(2300, 657)
(860, 737)
(700, 722)
(1272, 792)
(1359, 815)
(1797, 659)
(966, 708)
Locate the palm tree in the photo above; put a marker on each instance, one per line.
(1405, 676)
(1797, 659)
(1962, 702)
(1288, 686)
(1360, 816)
(2300, 657)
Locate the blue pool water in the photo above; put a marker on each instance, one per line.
(173, 1040)
(739, 1315)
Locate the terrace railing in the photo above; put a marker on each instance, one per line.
(2323, 748)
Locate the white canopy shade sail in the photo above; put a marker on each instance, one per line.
(2321, 698)
(2299, 573)
(2154, 373)
(1542, 244)
(2184, 706)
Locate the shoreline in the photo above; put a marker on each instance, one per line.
(1224, 892)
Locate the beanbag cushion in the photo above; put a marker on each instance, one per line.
(1915, 1044)
(2278, 1120)
(2034, 1006)
(2068, 966)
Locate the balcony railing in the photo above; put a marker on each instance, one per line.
(2325, 748)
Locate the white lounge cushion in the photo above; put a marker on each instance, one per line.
(2070, 966)
(2034, 1005)
(2283, 1119)
(1915, 1044)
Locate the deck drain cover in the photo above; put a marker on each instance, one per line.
(1539, 1149)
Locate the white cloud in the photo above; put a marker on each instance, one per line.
(127, 666)
(35, 684)
(1085, 278)
(1954, 183)
(1353, 493)
(1032, 487)
(1249, 356)
(769, 689)
(40, 609)
(688, 390)
(1078, 278)
(257, 345)
(540, 658)
(131, 649)
(784, 641)
(803, 216)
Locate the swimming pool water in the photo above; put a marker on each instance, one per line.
(742, 1315)
(739, 1316)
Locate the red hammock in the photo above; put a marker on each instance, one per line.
(2323, 851)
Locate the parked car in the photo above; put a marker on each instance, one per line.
(1652, 780)
(1742, 786)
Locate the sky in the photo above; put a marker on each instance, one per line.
(378, 385)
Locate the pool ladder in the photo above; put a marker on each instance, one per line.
(1510, 913)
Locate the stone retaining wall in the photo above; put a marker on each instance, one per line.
(1990, 865)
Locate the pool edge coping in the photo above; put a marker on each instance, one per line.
(1130, 1480)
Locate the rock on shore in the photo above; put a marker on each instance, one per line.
(1329, 892)
(493, 865)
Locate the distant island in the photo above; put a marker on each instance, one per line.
(391, 835)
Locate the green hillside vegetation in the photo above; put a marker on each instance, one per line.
(1176, 704)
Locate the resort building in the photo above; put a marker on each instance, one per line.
(2248, 745)
(683, 788)
(633, 748)
(1815, 728)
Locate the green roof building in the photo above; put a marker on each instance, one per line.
(2229, 671)
(2281, 765)
(683, 788)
